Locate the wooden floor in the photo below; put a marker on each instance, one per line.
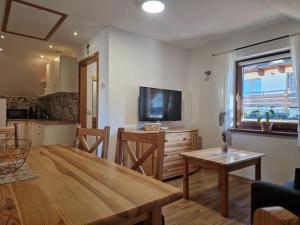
(203, 208)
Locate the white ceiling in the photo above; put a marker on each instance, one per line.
(185, 23)
(22, 17)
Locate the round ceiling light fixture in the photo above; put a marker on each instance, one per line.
(153, 6)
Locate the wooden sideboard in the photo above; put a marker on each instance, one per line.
(176, 141)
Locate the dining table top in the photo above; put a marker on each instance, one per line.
(74, 187)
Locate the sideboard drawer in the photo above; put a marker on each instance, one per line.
(185, 137)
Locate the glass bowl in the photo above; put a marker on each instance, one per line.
(13, 154)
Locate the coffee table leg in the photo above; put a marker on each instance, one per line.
(186, 178)
(258, 170)
(224, 192)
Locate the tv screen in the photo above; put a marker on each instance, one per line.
(159, 104)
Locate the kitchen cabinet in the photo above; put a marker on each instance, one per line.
(62, 75)
(22, 135)
(43, 132)
(36, 133)
(48, 134)
(2, 112)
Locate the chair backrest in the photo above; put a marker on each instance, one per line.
(101, 136)
(9, 133)
(275, 215)
(129, 144)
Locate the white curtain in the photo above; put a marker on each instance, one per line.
(224, 70)
(295, 52)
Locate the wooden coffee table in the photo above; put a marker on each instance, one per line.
(223, 163)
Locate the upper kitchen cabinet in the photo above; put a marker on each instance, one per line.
(62, 75)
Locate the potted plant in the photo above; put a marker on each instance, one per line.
(263, 118)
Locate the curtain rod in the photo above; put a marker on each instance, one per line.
(259, 43)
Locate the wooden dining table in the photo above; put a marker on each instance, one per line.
(74, 187)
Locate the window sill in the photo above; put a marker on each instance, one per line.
(272, 133)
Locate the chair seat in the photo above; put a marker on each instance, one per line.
(289, 184)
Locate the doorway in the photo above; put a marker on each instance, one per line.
(89, 91)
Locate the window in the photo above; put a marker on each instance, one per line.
(267, 83)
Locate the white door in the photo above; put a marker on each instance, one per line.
(90, 101)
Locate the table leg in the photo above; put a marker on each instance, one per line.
(186, 178)
(155, 217)
(224, 192)
(219, 182)
(258, 170)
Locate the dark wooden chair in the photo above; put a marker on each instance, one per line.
(101, 136)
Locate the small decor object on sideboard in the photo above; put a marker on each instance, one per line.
(263, 118)
(13, 154)
(224, 139)
(152, 126)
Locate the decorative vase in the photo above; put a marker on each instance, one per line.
(266, 126)
(225, 148)
(224, 139)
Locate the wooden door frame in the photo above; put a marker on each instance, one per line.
(85, 62)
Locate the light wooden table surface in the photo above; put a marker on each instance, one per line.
(214, 159)
(74, 187)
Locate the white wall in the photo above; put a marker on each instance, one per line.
(99, 43)
(21, 79)
(135, 61)
(282, 154)
(204, 98)
(128, 61)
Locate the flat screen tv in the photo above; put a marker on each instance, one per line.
(159, 104)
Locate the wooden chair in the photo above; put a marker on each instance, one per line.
(101, 135)
(9, 133)
(274, 216)
(128, 144)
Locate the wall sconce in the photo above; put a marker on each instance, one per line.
(207, 74)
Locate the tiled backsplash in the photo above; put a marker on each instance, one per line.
(20, 102)
(60, 106)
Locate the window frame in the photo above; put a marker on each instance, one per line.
(277, 127)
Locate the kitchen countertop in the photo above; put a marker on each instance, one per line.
(45, 122)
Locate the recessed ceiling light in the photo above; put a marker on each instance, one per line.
(1, 49)
(2, 36)
(75, 33)
(42, 56)
(153, 6)
(50, 46)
